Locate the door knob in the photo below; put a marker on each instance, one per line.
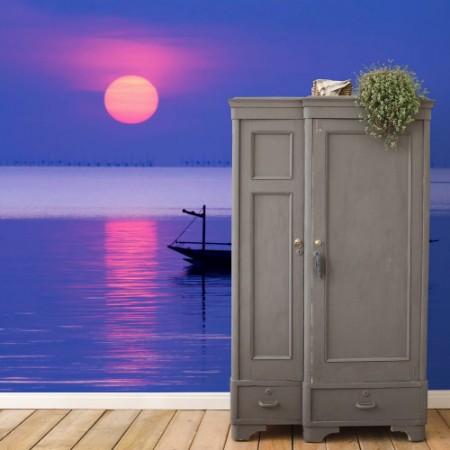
(298, 244)
(318, 243)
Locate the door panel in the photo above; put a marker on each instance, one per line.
(367, 209)
(272, 295)
(368, 214)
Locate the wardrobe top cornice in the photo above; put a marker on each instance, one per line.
(312, 107)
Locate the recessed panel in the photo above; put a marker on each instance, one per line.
(368, 249)
(272, 155)
(272, 278)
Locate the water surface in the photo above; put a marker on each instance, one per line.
(103, 305)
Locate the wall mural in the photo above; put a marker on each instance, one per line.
(116, 131)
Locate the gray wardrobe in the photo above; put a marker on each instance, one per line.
(330, 269)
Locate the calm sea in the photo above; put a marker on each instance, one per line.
(92, 299)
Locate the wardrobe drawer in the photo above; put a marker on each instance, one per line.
(366, 405)
(270, 403)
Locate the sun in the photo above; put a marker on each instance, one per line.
(131, 99)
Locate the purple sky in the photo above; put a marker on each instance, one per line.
(57, 58)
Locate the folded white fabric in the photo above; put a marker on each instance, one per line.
(329, 87)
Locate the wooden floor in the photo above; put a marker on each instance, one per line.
(195, 430)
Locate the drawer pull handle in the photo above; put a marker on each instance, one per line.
(366, 405)
(267, 404)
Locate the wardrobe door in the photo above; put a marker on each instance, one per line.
(270, 246)
(365, 259)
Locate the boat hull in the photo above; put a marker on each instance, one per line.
(205, 258)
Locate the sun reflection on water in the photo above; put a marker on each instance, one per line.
(131, 298)
(130, 259)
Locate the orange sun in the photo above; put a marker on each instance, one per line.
(131, 99)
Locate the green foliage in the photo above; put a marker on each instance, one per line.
(391, 98)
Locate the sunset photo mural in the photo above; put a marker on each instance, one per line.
(116, 143)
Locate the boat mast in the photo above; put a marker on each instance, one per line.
(204, 227)
(203, 217)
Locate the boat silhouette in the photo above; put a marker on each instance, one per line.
(203, 257)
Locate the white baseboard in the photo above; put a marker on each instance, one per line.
(182, 400)
(438, 399)
(179, 400)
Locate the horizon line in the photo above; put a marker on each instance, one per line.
(196, 163)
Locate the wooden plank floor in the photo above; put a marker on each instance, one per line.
(194, 430)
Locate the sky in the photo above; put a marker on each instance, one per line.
(57, 58)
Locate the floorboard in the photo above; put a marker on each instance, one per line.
(212, 432)
(437, 432)
(10, 419)
(374, 438)
(181, 431)
(70, 430)
(189, 430)
(32, 429)
(146, 430)
(108, 430)
(276, 438)
(445, 414)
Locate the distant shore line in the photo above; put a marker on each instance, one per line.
(190, 163)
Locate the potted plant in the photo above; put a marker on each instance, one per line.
(390, 96)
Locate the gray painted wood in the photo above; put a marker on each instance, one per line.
(415, 433)
(347, 347)
(269, 404)
(318, 434)
(364, 212)
(368, 406)
(270, 219)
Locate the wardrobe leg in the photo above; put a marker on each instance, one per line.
(317, 434)
(244, 432)
(415, 433)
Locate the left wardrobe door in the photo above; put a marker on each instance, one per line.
(268, 224)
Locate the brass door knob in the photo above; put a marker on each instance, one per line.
(298, 243)
(318, 243)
